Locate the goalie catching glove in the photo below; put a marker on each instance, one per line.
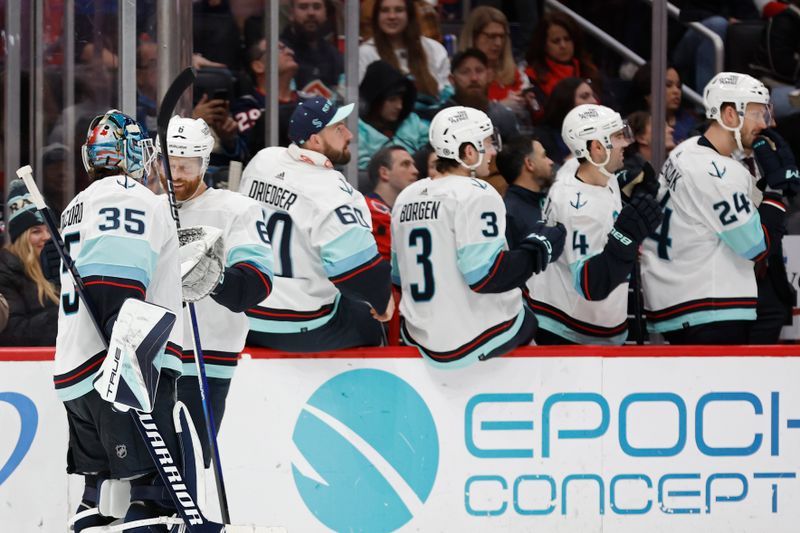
(201, 254)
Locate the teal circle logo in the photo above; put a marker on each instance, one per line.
(368, 452)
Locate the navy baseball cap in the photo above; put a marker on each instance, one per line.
(312, 115)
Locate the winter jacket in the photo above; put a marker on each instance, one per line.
(29, 322)
(411, 135)
(411, 132)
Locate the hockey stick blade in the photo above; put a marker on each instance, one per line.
(179, 85)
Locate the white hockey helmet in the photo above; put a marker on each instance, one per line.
(739, 90)
(454, 126)
(592, 122)
(189, 137)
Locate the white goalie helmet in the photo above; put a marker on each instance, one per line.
(189, 137)
(739, 90)
(454, 126)
(591, 122)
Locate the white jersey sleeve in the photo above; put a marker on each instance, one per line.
(480, 228)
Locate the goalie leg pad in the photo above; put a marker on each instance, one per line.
(88, 514)
(191, 454)
(129, 374)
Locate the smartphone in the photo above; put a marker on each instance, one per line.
(220, 94)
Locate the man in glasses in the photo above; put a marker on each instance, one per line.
(583, 297)
(697, 269)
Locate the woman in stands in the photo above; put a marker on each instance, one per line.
(567, 94)
(397, 40)
(487, 30)
(32, 299)
(680, 119)
(556, 52)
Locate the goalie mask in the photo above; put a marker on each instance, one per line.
(738, 90)
(117, 143)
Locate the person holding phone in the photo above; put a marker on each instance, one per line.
(215, 111)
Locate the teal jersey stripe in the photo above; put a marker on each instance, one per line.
(475, 260)
(395, 270)
(258, 255)
(114, 251)
(554, 326)
(472, 356)
(212, 370)
(78, 389)
(348, 251)
(576, 269)
(114, 271)
(701, 317)
(746, 240)
(295, 326)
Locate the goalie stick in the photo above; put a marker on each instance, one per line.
(185, 80)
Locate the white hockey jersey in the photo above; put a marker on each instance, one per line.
(447, 235)
(243, 225)
(557, 295)
(119, 234)
(320, 229)
(697, 266)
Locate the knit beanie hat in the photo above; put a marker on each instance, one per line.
(22, 214)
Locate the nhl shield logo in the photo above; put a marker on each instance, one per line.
(122, 451)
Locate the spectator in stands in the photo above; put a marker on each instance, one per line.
(320, 64)
(694, 54)
(229, 144)
(387, 97)
(779, 55)
(3, 312)
(390, 170)
(425, 161)
(567, 94)
(470, 79)
(248, 110)
(523, 162)
(397, 40)
(556, 52)
(147, 85)
(681, 119)
(32, 300)
(640, 121)
(487, 30)
(216, 34)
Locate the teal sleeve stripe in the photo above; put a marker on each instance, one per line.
(746, 240)
(348, 251)
(258, 255)
(112, 250)
(576, 269)
(115, 271)
(475, 260)
(395, 270)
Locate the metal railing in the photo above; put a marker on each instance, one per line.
(620, 48)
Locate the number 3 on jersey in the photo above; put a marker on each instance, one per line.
(420, 238)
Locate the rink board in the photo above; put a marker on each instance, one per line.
(556, 440)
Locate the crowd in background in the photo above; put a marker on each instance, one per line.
(525, 66)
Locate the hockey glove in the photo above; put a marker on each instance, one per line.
(638, 219)
(545, 244)
(201, 256)
(51, 262)
(637, 176)
(775, 157)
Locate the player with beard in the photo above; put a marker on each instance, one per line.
(332, 288)
(469, 75)
(321, 64)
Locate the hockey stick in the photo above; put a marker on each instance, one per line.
(184, 80)
(637, 303)
(162, 458)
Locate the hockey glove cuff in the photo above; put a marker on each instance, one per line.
(777, 162)
(545, 243)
